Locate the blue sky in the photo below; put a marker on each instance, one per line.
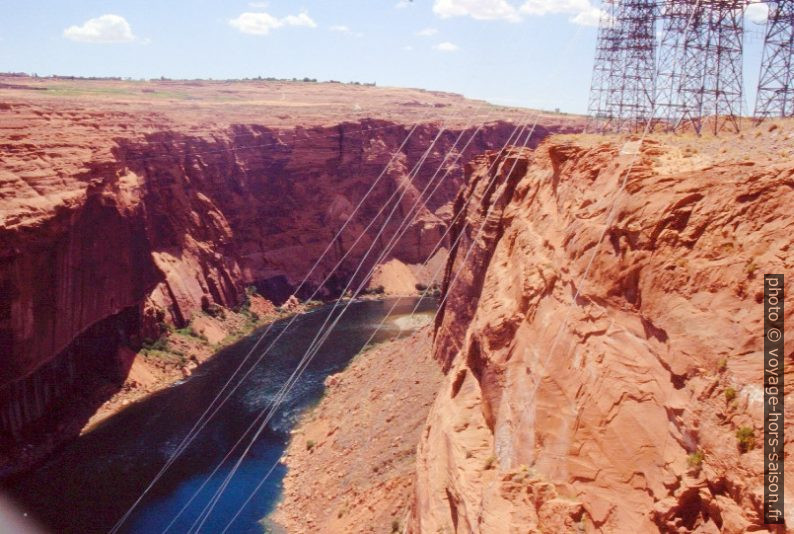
(535, 53)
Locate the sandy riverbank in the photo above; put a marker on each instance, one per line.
(351, 459)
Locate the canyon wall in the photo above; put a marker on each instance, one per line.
(121, 218)
(180, 223)
(602, 338)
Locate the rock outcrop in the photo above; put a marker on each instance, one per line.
(121, 214)
(602, 338)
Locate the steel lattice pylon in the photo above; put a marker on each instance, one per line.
(623, 85)
(724, 87)
(775, 97)
(700, 66)
(675, 48)
(699, 69)
(600, 116)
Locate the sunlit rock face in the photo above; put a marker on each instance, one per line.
(601, 339)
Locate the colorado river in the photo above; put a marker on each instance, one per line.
(92, 481)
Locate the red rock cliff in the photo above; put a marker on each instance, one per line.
(181, 221)
(603, 393)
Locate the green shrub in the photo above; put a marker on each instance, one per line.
(395, 526)
(490, 462)
(745, 437)
(730, 394)
(188, 331)
(695, 460)
(161, 343)
(250, 316)
(310, 444)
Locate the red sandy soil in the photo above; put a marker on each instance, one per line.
(396, 278)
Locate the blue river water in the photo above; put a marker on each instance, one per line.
(89, 484)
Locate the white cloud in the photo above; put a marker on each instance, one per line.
(408, 48)
(476, 9)
(446, 46)
(402, 4)
(299, 20)
(256, 23)
(427, 32)
(543, 7)
(589, 17)
(103, 29)
(757, 12)
(263, 23)
(582, 12)
(341, 28)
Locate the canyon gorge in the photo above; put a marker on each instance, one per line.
(601, 350)
(128, 208)
(595, 364)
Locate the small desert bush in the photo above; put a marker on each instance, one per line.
(188, 331)
(695, 460)
(745, 438)
(161, 344)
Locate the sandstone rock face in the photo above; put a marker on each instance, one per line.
(599, 360)
(133, 211)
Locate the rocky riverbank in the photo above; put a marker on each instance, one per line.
(175, 355)
(351, 460)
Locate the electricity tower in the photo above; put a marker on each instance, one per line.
(775, 97)
(623, 84)
(600, 116)
(698, 75)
